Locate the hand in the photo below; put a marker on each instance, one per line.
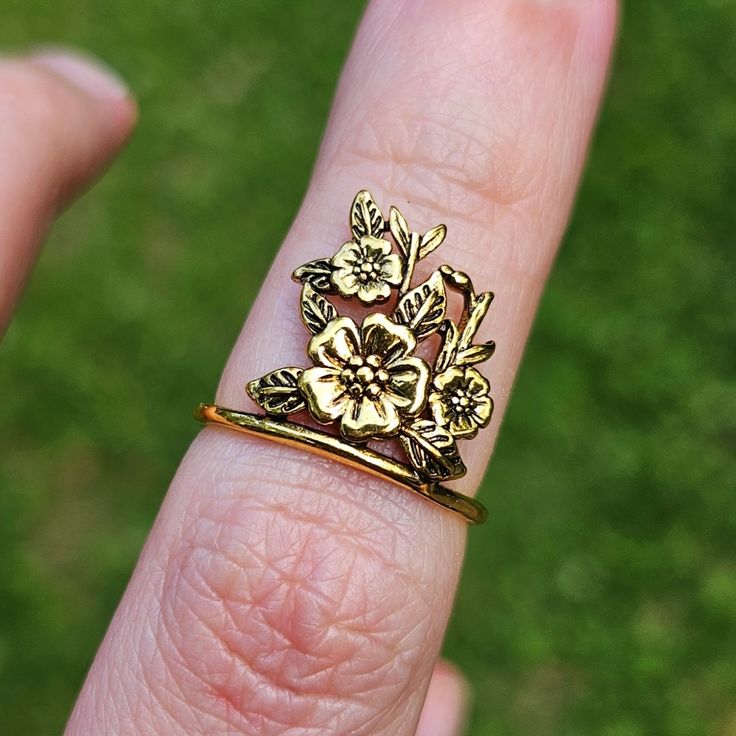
(279, 593)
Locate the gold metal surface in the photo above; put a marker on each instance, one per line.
(330, 446)
(367, 377)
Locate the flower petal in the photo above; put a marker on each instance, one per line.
(391, 269)
(482, 410)
(345, 281)
(407, 385)
(463, 426)
(374, 246)
(373, 291)
(336, 344)
(348, 255)
(477, 384)
(324, 392)
(440, 409)
(366, 418)
(449, 379)
(385, 338)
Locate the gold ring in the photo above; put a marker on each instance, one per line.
(368, 378)
(327, 445)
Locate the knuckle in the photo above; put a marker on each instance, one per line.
(447, 157)
(284, 609)
(451, 126)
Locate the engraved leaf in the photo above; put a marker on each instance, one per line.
(422, 309)
(476, 353)
(431, 240)
(400, 230)
(365, 217)
(316, 310)
(432, 450)
(277, 392)
(316, 274)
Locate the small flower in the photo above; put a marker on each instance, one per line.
(367, 269)
(460, 401)
(365, 377)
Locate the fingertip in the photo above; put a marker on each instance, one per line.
(447, 704)
(98, 82)
(89, 74)
(448, 675)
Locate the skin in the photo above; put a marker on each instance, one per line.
(279, 593)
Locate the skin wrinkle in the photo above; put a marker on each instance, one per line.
(270, 555)
(462, 188)
(247, 666)
(215, 524)
(418, 147)
(236, 703)
(289, 569)
(218, 699)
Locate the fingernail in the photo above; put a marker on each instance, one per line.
(89, 74)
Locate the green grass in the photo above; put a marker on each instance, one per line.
(601, 597)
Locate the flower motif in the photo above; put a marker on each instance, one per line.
(367, 269)
(366, 377)
(460, 401)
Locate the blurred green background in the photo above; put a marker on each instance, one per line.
(601, 597)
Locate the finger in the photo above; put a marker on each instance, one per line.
(62, 117)
(486, 132)
(283, 593)
(445, 708)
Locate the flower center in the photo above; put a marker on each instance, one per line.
(366, 270)
(364, 376)
(460, 402)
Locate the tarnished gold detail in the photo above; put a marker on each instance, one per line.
(367, 378)
(366, 269)
(460, 401)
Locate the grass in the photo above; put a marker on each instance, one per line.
(601, 597)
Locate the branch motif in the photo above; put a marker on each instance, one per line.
(366, 377)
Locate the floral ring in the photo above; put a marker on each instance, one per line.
(370, 380)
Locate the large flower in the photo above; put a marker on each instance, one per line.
(365, 377)
(460, 401)
(367, 269)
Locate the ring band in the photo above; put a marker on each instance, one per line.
(373, 378)
(327, 445)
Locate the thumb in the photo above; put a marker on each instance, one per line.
(62, 118)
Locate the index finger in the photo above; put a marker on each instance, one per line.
(280, 593)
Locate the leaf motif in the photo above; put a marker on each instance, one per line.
(278, 392)
(400, 230)
(316, 274)
(365, 217)
(422, 309)
(446, 355)
(476, 353)
(431, 240)
(316, 310)
(432, 450)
